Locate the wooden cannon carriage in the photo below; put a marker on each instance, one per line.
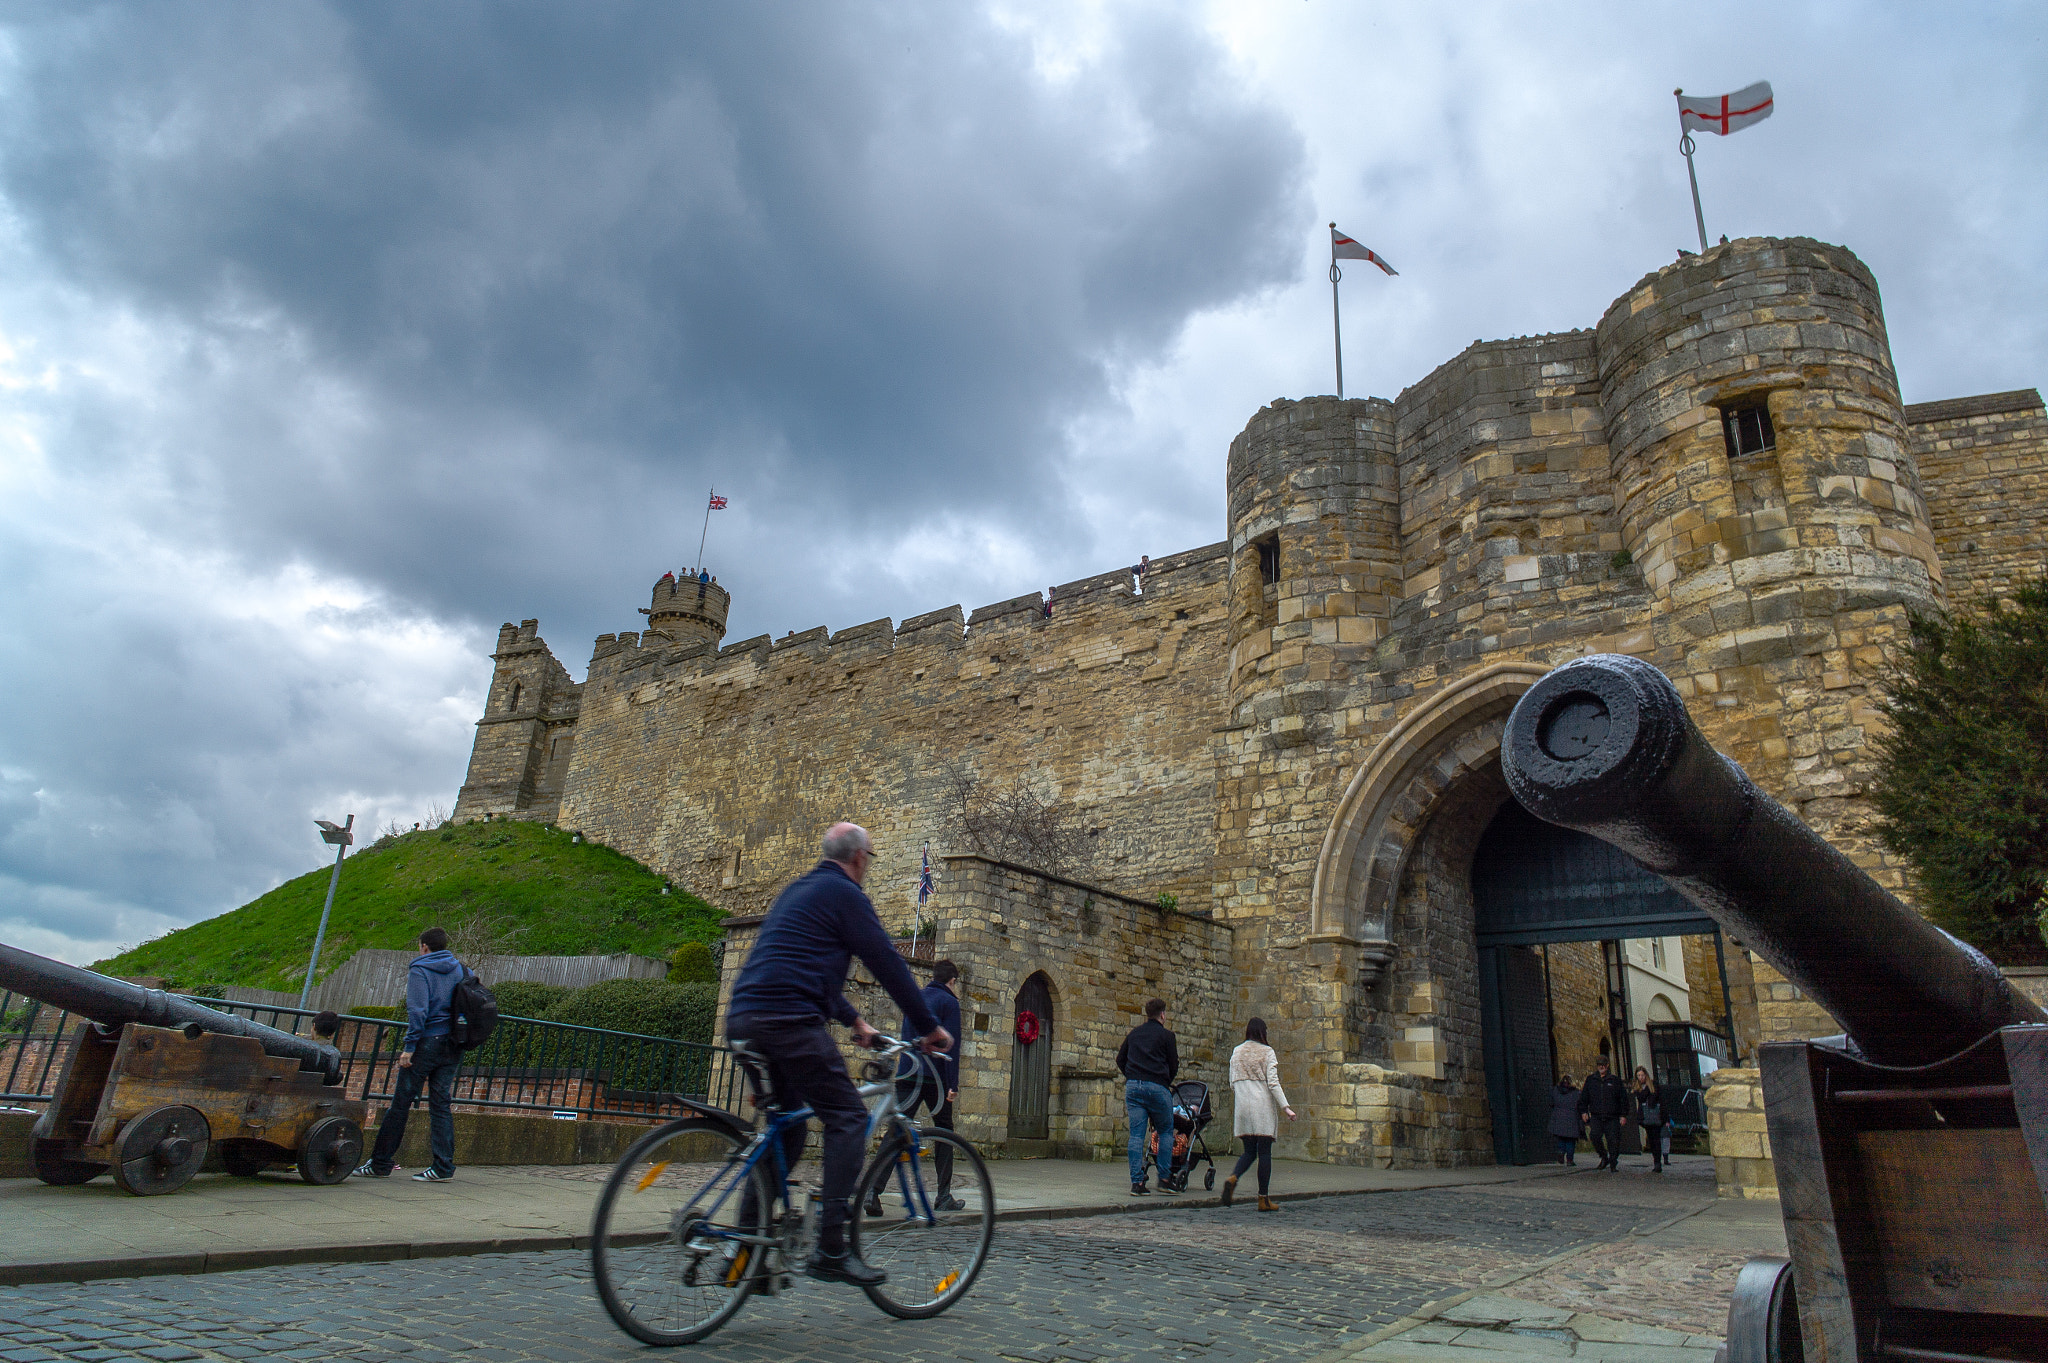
(1912, 1151)
(151, 1081)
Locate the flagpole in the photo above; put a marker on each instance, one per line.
(1336, 320)
(705, 533)
(1685, 145)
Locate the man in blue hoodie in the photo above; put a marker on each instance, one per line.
(793, 984)
(427, 1058)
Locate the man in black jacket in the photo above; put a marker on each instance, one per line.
(1148, 1061)
(945, 1006)
(1604, 1104)
(792, 983)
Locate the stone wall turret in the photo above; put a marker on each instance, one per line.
(688, 610)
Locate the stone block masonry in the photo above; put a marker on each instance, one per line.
(1295, 732)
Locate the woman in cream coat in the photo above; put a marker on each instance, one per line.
(1255, 1084)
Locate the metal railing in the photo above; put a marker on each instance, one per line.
(527, 1065)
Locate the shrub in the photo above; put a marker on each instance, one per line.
(693, 963)
(527, 998)
(1961, 788)
(684, 1012)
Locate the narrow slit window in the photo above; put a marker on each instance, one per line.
(516, 689)
(1748, 430)
(1269, 560)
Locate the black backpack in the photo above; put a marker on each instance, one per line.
(472, 1013)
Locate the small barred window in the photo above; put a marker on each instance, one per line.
(1747, 429)
(1269, 560)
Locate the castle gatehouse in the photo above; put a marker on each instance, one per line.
(1263, 778)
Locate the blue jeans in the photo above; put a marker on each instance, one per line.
(433, 1065)
(1145, 1101)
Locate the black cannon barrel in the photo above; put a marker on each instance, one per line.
(1604, 745)
(113, 1002)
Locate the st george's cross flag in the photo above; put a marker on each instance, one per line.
(717, 503)
(1344, 248)
(1725, 114)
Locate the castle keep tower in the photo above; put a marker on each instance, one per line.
(526, 735)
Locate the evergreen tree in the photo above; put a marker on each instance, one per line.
(1962, 784)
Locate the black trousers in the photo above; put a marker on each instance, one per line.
(807, 1071)
(942, 1116)
(1258, 1148)
(433, 1068)
(1606, 1134)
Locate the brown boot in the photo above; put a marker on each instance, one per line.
(1267, 1204)
(1229, 1189)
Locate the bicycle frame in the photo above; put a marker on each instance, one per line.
(767, 1143)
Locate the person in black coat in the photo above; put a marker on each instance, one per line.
(1649, 1106)
(1605, 1104)
(945, 1006)
(1564, 1119)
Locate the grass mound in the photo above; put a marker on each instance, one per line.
(496, 887)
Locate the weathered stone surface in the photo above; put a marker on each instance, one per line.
(1297, 730)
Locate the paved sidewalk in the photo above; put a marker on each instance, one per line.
(219, 1222)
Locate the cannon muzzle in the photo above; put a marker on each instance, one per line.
(1604, 745)
(114, 1002)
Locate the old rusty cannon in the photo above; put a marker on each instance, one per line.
(152, 1080)
(1911, 1151)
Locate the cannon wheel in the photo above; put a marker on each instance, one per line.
(246, 1159)
(160, 1150)
(53, 1167)
(332, 1149)
(1763, 1314)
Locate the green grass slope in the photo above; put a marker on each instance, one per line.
(516, 887)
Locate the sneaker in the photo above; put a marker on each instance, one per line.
(369, 1170)
(1168, 1187)
(873, 1206)
(431, 1176)
(1139, 1189)
(949, 1203)
(843, 1268)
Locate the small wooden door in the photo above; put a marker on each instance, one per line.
(1031, 1064)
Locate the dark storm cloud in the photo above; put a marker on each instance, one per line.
(333, 334)
(614, 253)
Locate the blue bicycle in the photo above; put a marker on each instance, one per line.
(701, 1213)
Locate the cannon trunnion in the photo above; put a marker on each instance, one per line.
(1911, 1153)
(146, 1103)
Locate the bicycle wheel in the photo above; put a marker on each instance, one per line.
(930, 1262)
(661, 1246)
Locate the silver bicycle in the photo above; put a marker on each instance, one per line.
(701, 1213)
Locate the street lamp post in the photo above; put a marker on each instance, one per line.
(336, 835)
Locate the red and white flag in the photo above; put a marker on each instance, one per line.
(717, 502)
(1344, 248)
(1725, 114)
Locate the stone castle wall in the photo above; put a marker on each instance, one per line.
(1298, 730)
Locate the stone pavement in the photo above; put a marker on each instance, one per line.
(221, 1222)
(1386, 1276)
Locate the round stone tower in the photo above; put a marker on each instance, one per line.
(688, 611)
(1757, 439)
(1315, 559)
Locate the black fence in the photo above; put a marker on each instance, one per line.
(528, 1065)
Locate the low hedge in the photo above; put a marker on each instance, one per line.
(684, 1012)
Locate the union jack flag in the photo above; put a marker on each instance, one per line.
(924, 878)
(717, 502)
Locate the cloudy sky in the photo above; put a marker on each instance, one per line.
(332, 335)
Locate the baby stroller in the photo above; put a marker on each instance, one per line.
(1191, 1117)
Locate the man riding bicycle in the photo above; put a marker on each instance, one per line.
(792, 984)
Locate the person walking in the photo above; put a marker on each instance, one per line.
(1148, 1061)
(1604, 1103)
(1649, 1105)
(1564, 1119)
(427, 1059)
(1255, 1116)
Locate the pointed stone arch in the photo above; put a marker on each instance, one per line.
(1358, 873)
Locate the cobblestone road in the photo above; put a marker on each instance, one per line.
(1200, 1283)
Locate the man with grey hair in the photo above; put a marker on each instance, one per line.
(794, 983)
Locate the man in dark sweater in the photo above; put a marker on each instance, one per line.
(1604, 1103)
(945, 1006)
(1148, 1061)
(792, 984)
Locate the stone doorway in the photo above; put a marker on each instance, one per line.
(1031, 1061)
(1536, 886)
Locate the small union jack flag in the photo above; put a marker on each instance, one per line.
(717, 502)
(924, 878)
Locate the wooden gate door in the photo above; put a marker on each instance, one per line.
(1031, 1065)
